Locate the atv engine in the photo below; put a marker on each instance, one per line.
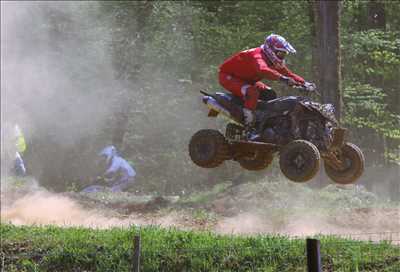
(234, 132)
(277, 131)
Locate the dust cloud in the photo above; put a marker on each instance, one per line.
(348, 211)
(56, 77)
(32, 205)
(375, 224)
(53, 77)
(55, 81)
(44, 208)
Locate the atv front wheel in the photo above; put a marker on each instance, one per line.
(299, 160)
(260, 161)
(353, 161)
(208, 148)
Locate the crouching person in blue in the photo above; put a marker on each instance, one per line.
(119, 174)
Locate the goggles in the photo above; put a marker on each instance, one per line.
(281, 54)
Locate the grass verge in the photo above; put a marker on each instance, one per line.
(49, 248)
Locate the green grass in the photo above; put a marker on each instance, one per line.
(50, 248)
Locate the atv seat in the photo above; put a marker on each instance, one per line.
(274, 105)
(231, 98)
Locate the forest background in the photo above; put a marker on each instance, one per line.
(77, 76)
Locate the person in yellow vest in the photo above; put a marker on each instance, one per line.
(19, 165)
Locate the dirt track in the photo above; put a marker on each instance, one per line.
(232, 211)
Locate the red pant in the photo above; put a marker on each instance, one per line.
(249, 92)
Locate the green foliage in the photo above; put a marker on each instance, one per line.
(233, 26)
(79, 249)
(373, 54)
(366, 108)
(371, 65)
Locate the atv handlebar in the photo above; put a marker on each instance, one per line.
(308, 87)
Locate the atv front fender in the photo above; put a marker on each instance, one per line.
(338, 138)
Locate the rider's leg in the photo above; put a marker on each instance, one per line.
(245, 91)
(252, 94)
(250, 105)
(233, 84)
(123, 184)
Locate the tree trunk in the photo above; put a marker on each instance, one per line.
(324, 18)
(314, 42)
(376, 15)
(327, 20)
(142, 11)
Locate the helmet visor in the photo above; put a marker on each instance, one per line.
(288, 47)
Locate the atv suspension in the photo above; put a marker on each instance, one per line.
(234, 132)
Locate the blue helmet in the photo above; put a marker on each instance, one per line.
(108, 152)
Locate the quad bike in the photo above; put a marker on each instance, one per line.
(301, 131)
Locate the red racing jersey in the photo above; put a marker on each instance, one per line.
(251, 66)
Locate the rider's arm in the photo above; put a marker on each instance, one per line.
(115, 165)
(264, 71)
(286, 72)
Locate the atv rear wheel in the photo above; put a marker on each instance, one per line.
(353, 160)
(208, 148)
(299, 160)
(260, 161)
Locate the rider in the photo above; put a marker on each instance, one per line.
(242, 73)
(119, 173)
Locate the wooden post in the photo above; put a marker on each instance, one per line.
(313, 255)
(136, 253)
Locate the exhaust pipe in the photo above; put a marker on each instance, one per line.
(212, 104)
